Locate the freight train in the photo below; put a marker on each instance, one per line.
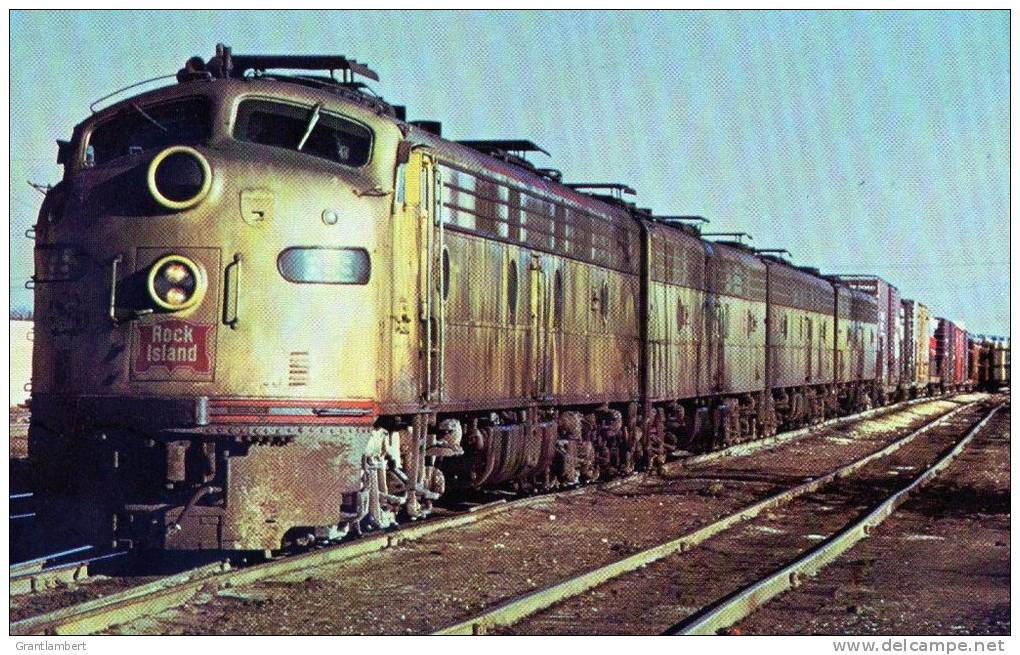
(271, 310)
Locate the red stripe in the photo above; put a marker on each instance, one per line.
(368, 419)
(242, 411)
(293, 402)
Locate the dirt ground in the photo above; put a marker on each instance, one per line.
(425, 585)
(661, 595)
(940, 565)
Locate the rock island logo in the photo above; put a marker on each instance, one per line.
(173, 344)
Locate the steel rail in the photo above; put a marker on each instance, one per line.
(750, 447)
(739, 605)
(33, 579)
(166, 593)
(151, 598)
(43, 559)
(510, 612)
(90, 613)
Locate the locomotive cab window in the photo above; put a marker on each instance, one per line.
(305, 129)
(138, 128)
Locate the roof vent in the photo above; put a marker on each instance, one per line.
(512, 146)
(732, 239)
(512, 151)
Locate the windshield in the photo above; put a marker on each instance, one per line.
(306, 129)
(137, 128)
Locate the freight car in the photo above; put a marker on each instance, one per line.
(270, 310)
(999, 364)
(915, 351)
(951, 356)
(989, 358)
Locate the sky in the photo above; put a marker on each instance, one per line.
(863, 142)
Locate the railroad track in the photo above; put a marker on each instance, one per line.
(154, 597)
(54, 570)
(717, 615)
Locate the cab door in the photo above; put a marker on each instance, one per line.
(808, 374)
(715, 343)
(539, 328)
(433, 277)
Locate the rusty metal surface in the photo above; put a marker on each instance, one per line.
(735, 324)
(676, 314)
(802, 329)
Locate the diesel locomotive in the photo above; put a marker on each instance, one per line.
(271, 310)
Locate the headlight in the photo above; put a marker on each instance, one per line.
(175, 283)
(179, 177)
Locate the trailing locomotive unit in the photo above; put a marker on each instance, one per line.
(889, 338)
(275, 311)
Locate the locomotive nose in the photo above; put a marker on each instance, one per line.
(179, 177)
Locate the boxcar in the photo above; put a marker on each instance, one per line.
(950, 355)
(999, 366)
(915, 355)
